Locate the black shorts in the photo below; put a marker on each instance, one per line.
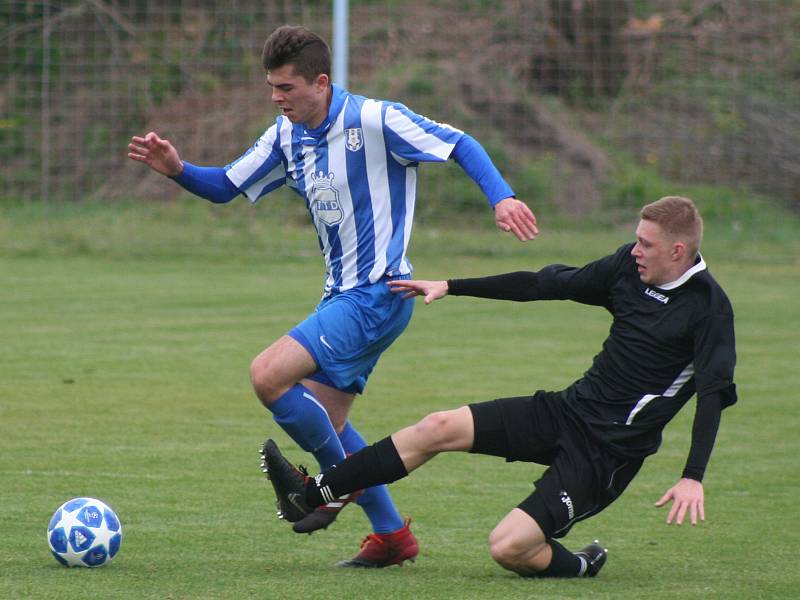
(581, 479)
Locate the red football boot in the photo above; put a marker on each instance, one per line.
(380, 550)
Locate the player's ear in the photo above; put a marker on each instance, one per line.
(322, 80)
(678, 251)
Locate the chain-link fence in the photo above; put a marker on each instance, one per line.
(561, 92)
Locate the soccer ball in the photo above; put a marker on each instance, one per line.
(84, 532)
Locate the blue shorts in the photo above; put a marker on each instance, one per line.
(347, 333)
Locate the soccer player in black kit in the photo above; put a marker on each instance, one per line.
(671, 337)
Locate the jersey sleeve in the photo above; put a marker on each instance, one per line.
(207, 182)
(413, 138)
(704, 433)
(589, 284)
(715, 352)
(261, 169)
(473, 158)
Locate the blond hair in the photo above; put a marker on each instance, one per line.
(678, 218)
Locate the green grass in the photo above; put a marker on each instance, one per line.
(127, 335)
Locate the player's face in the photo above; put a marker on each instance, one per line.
(299, 101)
(654, 254)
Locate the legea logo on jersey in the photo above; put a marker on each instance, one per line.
(354, 139)
(660, 297)
(325, 200)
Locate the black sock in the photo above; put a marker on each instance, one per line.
(564, 563)
(372, 465)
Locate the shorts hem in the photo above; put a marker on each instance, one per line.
(301, 339)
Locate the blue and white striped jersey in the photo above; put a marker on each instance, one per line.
(357, 173)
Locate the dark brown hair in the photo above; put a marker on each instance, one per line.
(300, 47)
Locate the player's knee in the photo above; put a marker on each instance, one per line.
(510, 553)
(519, 553)
(503, 551)
(262, 380)
(438, 430)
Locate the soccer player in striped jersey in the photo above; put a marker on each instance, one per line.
(353, 161)
(671, 337)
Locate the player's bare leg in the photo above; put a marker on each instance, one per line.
(406, 450)
(274, 374)
(279, 367)
(438, 432)
(518, 544)
(337, 403)
(277, 375)
(445, 431)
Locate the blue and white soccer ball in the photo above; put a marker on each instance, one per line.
(84, 532)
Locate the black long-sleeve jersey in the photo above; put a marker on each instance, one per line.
(665, 344)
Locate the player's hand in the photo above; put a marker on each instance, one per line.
(687, 494)
(514, 215)
(432, 290)
(156, 153)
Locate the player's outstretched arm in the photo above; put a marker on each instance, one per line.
(432, 290)
(157, 153)
(510, 214)
(687, 494)
(514, 215)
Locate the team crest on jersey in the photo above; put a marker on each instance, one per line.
(324, 200)
(354, 139)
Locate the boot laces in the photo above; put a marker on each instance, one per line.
(372, 537)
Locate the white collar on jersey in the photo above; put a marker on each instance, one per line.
(700, 265)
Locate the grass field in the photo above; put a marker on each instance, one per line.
(127, 333)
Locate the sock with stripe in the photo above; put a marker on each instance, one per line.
(564, 563)
(306, 421)
(375, 501)
(372, 465)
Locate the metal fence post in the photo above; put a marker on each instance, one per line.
(341, 42)
(44, 147)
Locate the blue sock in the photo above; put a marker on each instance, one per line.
(375, 501)
(305, 420)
